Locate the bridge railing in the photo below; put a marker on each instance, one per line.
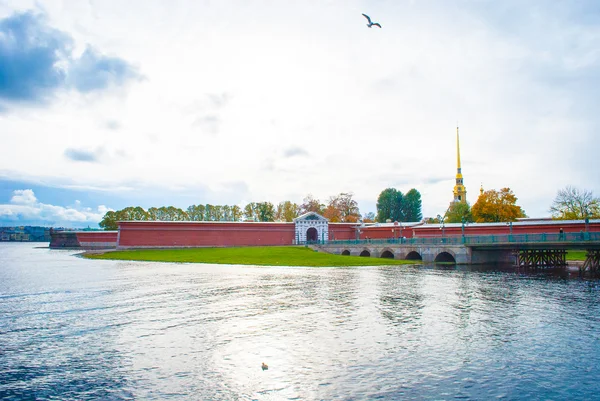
(474, 239)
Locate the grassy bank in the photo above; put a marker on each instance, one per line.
(576, 255)
(262, 256)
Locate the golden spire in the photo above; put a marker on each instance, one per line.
(460, 192)
(458, 172)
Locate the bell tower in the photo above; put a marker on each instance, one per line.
(460, 192)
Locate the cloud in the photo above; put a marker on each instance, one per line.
(295, 151)
(81, 155)
(24, 208)
(23, 197)
(94, 71)
(36, 61)
(30, 56)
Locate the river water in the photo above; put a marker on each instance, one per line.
(77, 329)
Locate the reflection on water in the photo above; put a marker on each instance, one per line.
(74, 329)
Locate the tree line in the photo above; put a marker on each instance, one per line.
(392, 205)
(339, 208)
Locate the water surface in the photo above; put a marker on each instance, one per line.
(77, 329)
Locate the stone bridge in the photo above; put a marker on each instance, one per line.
(453, 253)
(528, 250)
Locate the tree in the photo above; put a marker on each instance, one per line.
(265, 211)
(389, 205)
(132, 213)
(250, 211)
(153, 214)
(286, 211)
(310, 204)
(196, 212)
(496, 206)
(457, 212)
(348, 207)
(574, 204)
(332, 212)
(209, 212)
(218, 214)
(412, 206)
(172, 213)
(109, 221)
(236, 213)
(369, 217)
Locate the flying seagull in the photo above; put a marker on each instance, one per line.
(370, 24)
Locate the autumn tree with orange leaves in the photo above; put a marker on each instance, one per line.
(497, 206)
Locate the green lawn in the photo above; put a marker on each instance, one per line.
(576, 255)
(263, 256)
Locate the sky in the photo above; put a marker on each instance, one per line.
(107, 104)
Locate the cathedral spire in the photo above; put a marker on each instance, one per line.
(457, 155)
(460, 192)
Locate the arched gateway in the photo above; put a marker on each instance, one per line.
(311, 227)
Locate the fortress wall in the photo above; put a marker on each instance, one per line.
(83, 239)
(141, 234)
(342, 231)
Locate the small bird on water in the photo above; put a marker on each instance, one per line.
(370, 24)
(264, 366)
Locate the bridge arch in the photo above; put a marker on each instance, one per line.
(414, 255)
(346, 252)
(365, 253)
(445, 257)
(387, 254)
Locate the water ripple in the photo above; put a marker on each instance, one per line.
(74, 329)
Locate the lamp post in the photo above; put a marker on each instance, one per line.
(401, 232)
(463, 229)
(509, 224)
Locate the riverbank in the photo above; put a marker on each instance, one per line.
(261, 256)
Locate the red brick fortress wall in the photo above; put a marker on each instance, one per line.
(181, 234)
(83, 239)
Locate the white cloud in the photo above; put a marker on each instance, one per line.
(23, 197)
(26, 209)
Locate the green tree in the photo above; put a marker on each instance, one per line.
(172, 213)
(195, 212)
(251, 211)
(574, 204)
(109, 221)
(153, 214)
(497, 206)
(209, 212)
(236, 213)
(132, 213)
(411, 205)
(265, 211)
(457, 212)
(389, 205)
(218, 214)
(286, 211)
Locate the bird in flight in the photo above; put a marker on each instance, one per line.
(370, 24)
